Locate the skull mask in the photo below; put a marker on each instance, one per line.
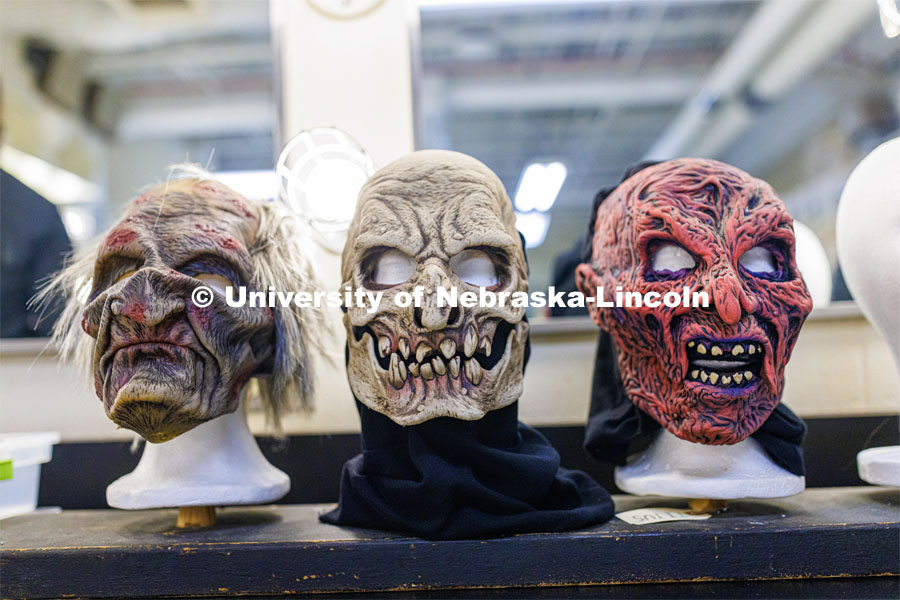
(434, 219)
(163, 363)
(709, 375)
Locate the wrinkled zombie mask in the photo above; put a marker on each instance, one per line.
(161, 363)
(709, 375)
(435, 219)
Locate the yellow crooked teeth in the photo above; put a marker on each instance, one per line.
(421, 351)
(384, 346)
(448, 348)
(738, 378)
(738, 349)
(469, 342)
(397, 371)
(701, 349)
(427, 372)
(716, 351)
(438, 365)
(473, 371)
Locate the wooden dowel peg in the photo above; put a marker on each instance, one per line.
(706, 505)
(196, 516)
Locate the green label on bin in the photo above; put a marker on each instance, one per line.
(5, 469)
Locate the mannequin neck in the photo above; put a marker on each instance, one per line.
(671, 466)
(215, 463)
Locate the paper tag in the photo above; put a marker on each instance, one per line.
(646, 516)
(6, 469)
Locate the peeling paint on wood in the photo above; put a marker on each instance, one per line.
(286, 550)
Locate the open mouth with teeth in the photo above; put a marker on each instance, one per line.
(730, 364)
(450, 354)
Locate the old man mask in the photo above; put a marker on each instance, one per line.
(434, 220)
(162, 360)
(709, 375)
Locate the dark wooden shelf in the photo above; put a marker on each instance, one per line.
(273, 550)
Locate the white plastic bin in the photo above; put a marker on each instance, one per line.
(27, 451)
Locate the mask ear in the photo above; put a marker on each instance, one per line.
(588, 281)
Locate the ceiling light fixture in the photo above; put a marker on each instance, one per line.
(533, 226)
(539, 186)
(890, 17)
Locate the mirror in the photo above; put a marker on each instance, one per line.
(98, 96)
(795, 93)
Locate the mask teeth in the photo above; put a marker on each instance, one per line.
(473, 370)
(454, 366)
(384, 346)
(448, 348)
(731, 379)
(469, 341)
(438, 365)
(397, 371)
(422, 350)
(734, 349)
(403, 346)
(429, 363)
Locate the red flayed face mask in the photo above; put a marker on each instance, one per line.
(709, 375)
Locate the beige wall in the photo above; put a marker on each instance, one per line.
(841, 367)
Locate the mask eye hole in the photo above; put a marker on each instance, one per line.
(392, 267)
(125, 275)
(670, 261)
(475, 267)
(761, 261)
(214, 281)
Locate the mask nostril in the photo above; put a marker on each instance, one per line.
(417, 317)
(454, 318)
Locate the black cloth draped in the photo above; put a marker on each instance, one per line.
(450, 479)
(615, 424)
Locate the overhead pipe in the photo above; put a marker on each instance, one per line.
(816, 40)
(726, 105)
(765, 30)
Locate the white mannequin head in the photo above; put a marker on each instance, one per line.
(868, 240)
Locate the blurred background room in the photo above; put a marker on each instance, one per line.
(557, 97)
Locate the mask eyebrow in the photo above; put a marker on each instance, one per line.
(111, 262)
(498, 240)
(369, 241)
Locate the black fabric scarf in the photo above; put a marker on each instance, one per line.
(453, 479)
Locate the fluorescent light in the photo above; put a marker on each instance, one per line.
(539, 186)
(53, 183)
(533, 226)
(890, 17)
(254, 185)
(78, 221)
